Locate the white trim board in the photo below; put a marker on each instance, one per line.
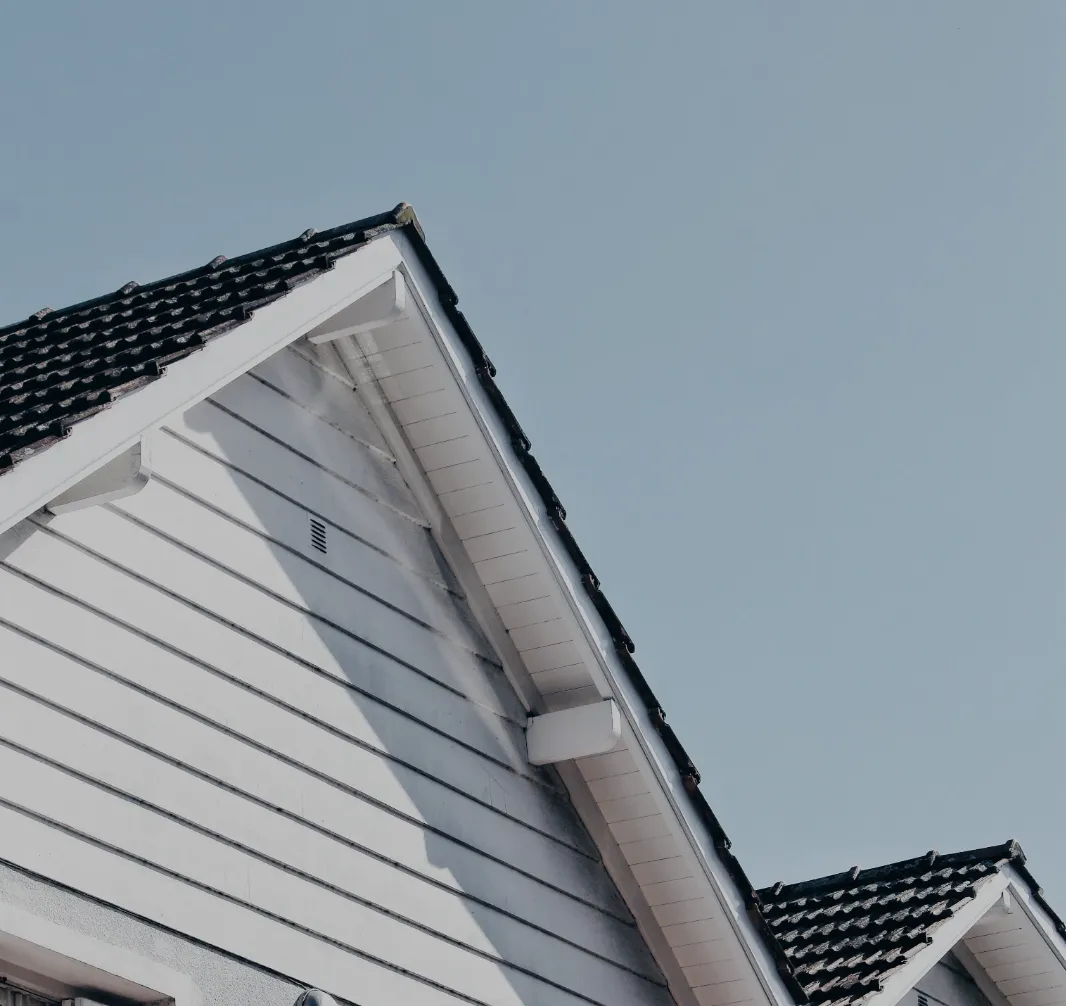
(1005, 942)
(44, 476)
(396, 371)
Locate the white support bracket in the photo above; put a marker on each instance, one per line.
(380, 308)
(122, 476)
(573, 733)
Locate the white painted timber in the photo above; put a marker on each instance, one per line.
(900, 982)
(337, 691)
(580, 732)
(312, 760)
(1016, 947)
(76, 960)
(239, 835)
(96, 441)
(289, 474)
(122, 476)
(379, 308)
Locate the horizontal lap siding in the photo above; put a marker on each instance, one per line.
(321, 745)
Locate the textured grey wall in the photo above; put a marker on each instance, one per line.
(221, 979)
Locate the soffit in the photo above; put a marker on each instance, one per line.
(420, 372)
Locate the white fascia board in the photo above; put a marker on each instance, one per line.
(622, 875)
(78, 960)
(1023, 896)
(94, 442)
(596, 644)
(900, 982)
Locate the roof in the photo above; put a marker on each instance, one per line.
(58, 368)
(844, 934)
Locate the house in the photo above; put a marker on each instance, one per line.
(307, 691)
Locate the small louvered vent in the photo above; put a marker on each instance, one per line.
(922, 999)
(318, 535)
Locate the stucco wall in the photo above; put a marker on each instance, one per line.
(947, 984)
(221, 979)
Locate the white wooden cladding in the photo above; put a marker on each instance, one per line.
(411, 373)
(419, 368)
(1015, 956)
(311, 760)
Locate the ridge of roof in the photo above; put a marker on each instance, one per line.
(1009, 851)
(367, 225)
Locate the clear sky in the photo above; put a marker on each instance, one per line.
(775, 289)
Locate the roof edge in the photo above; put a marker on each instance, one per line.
(404, 218)
(1009, 851)
(401, 215)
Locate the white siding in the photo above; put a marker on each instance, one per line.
(946, 984)
(312, 760)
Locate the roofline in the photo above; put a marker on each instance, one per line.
(404, 219)
(1009, 852)
(367, 227)
(1018, 865)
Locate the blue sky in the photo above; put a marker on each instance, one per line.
(775, 289)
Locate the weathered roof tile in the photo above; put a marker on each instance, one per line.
(61, 366)
(845, 933)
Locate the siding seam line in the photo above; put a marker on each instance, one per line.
(451, 787)
(226, 463)
(214, 892)
(292, 763)
(381, 454)
(325, 884)
(318, 464)
(264, 536)
(214, 616)
(299, 662)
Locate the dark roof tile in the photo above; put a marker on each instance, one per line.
(59, 367)
(844, 934)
